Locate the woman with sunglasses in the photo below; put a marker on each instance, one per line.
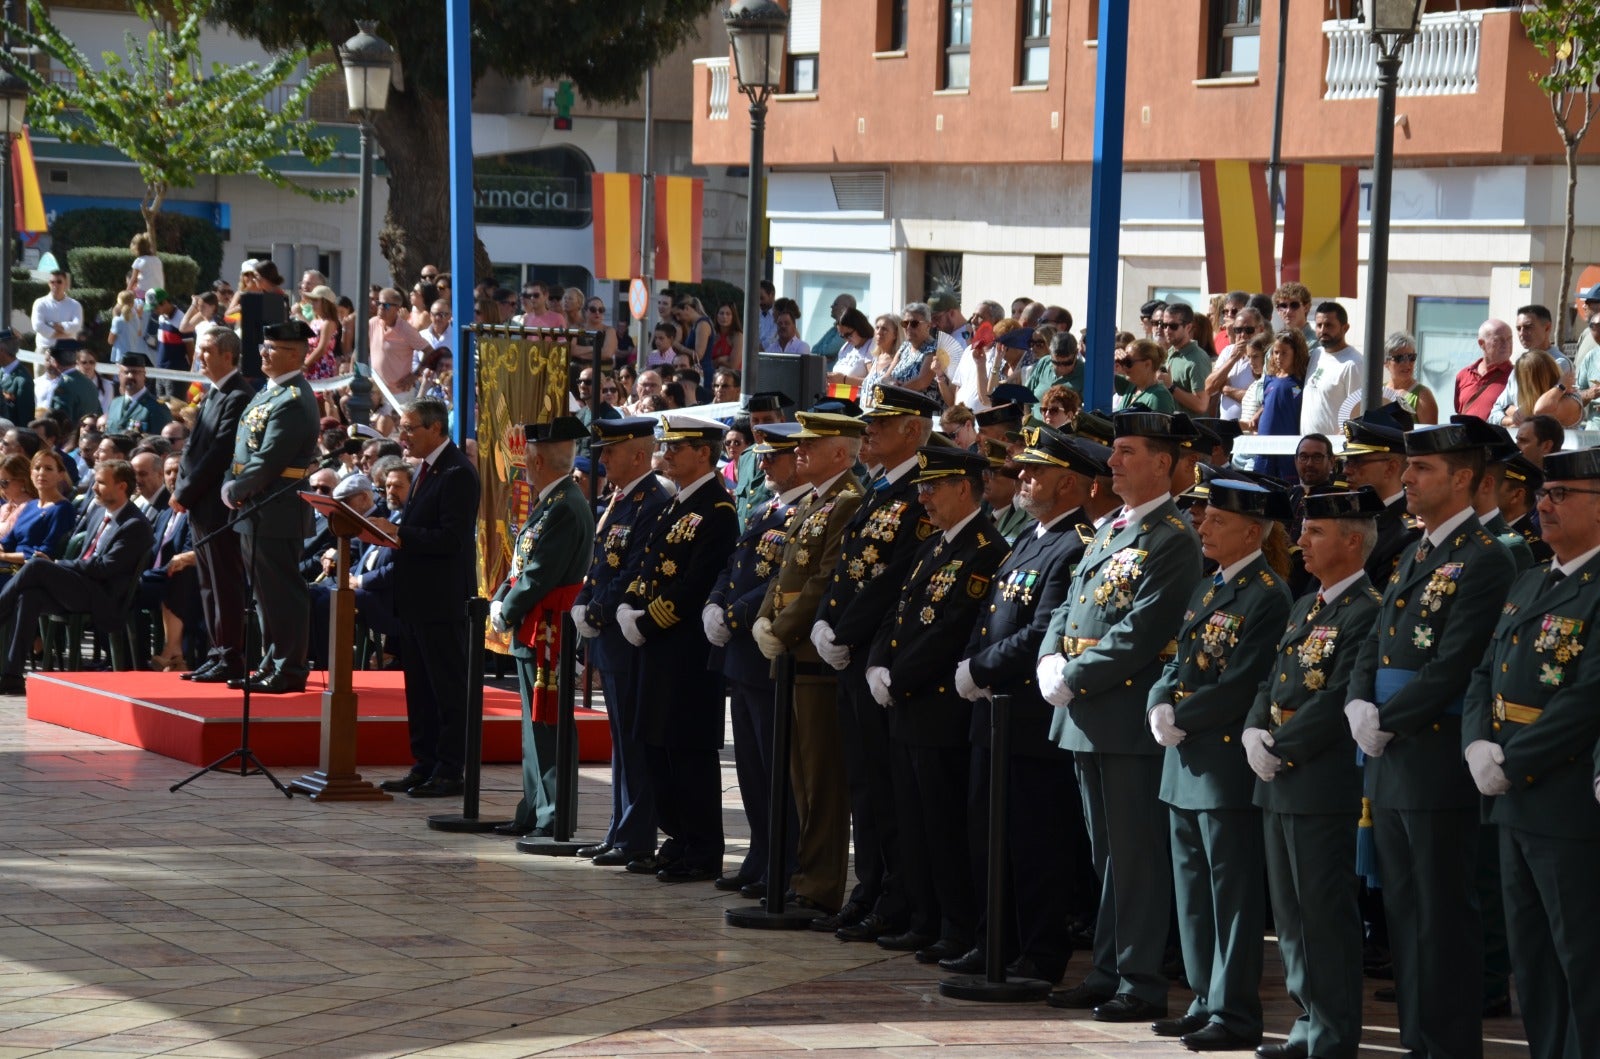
(1136, 384)
(594, 319)
(1400, 365)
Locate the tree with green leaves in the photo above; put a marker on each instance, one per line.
(160, 104)
(602, 48)
(1567, 33)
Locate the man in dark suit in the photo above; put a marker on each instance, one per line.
(170, 588)
(135, 410)
(275, 443)
(548, 561)
(1058, 474)
(435, 573)
(681, 721)
(96, 583)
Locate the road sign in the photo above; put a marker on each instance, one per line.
(638, 299)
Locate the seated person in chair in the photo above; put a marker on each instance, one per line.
(97, 583)
(172, 584)
(357, 491)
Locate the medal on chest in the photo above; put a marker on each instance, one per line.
(1118, 577)
(1561, 638)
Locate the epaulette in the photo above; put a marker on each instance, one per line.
(1085, 532)
(1176, 522)
(1484, 538)
(1411, 522)
(723, 503)
(1268, 580)
(1374, 595)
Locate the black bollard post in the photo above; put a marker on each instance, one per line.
(562, 844)
(477, 614)
(992, 986)
(770, 914)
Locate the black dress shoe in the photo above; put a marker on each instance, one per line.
(200, 670)
(943, 949)
(869, 927)
(1384, 994)
(404, 783)
(436, 787)
(907, 941)
(794, 900)
(1216, 1037)
(1078, 998)
(731, 883)
(512, 828)
(682, 873)
(643, 865)
(218, 674)
(1282, 1051)
(276, 684)
(754, 891)
(1023, 967)
(848, 916)
(1125, 1007)
(969, 962)
(10, 685)
(591, 852)
(1179, 1026)
(615, 857)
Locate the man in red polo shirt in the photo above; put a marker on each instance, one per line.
(1478, 384)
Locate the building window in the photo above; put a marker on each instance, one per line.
(1035, 42)
(802, 73)
(1235, 38)
(1447, 332)
(805, 41)
(958, 43)
(892, 25)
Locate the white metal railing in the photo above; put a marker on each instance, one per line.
(1442, 60)
(717, 99)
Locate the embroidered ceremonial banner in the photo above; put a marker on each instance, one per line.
(1237, 216)
(1319, 229)
(680, 211)
(617, 199)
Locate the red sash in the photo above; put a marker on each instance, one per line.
(541, 631)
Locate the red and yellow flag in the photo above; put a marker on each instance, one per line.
(1238, 226)
(680, 212)
(1319, 229)
(848, 391)
(617, 199)
(29, 204)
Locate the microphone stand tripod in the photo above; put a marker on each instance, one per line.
(249, 764)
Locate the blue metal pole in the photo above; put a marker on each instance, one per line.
(463, 262)
(1105, 202)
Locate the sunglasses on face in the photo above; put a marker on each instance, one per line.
(1291, 306)
(1055, 410)
(1128, 362)
(1171, 325)
(1403, 358)
(387, 305)
(1244, 330)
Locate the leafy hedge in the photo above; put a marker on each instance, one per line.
(106, 267)
(176, 233)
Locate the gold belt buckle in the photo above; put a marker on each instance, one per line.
(1499, 709)
(1277, 715)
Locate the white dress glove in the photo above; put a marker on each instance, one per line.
(1163, 725)
(227, 497)
(966, 687)
(835, 654)
(1484, 759)
(1052, 671)
(1263, 762)
(496, 620)
(1363, 718)
(580, 618)
(715, 623)
(628, 622)
(766, 640)
(878, 684)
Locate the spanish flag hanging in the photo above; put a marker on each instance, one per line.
(29, 204)
(1319, 228)
(680, 210)
(1239, 226)
(617, 199)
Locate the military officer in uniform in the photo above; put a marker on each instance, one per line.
(1000, 491)
(1046, 827)
(911, 674)
(1530, 719)
(1226, 645)
(276, 442)
(135, 410)
(1404, 710)
(826, 448)
(548, 561)
(874, 561)
(1299, 746)
(728, 616)
(1374, 456)
(680, 721)
(626, 447)
(1520, 478)
(750, 490)
(1101, 655)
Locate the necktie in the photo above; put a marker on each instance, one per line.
(1121, 521)
(881, 483)
(94, 544)
(1557, 576)
(600, 530)
(422, 474)
(1218, 579)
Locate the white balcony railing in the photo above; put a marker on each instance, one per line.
(1441, 61)
(717, 98)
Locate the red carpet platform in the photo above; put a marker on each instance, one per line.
(198, 724)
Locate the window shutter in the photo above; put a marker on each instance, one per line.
(805, 27)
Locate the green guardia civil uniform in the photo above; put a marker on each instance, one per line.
(1536, 695)
(552, 551)
(1515, 543)
(750, 492)
(1226, 646)
(142, 415)
(1011, 520)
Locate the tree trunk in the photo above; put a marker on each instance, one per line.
(150, 209)
(1564, 298)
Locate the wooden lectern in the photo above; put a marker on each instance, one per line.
(337, 779)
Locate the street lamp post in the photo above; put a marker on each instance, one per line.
(1392, 24)
(13, 109)
(368, 62)
(759, 30)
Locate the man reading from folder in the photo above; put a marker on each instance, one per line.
(547, 566)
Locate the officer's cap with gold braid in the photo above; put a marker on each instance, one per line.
(1505, 446)
(814, 425)
(1581, 465)
(615, 431)
(1361, 503)
(561, 428)
(1048, 447)
(935, 462)
(1205, 439)
(1519, 470)
(1225, 430)
(1204, 475)
(1374, 434)
(678, 426)
(775, 438)
(288, 331)
(1248, 498)
(1000, 461)
(1157, 425)
(1461, 434)
(1096, 426)
(899, 401)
